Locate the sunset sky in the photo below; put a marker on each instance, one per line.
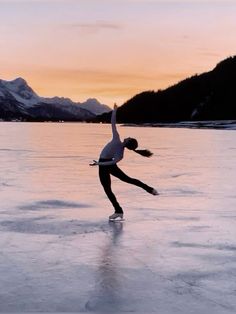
(112, 49)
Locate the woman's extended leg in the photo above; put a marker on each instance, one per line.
(117, 172)
(105, 180)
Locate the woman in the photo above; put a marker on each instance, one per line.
(111, 154)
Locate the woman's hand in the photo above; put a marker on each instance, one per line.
(95, 163)
(115, 106)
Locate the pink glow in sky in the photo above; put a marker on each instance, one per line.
(112, 49)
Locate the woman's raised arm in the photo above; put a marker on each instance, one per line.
(115, 133)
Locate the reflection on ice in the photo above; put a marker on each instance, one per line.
(106, 295)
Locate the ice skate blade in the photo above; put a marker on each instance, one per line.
(116, 219)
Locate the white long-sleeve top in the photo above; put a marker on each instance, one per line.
(113, 150)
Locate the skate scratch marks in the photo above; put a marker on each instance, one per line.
(51, 204)
(51, 226)
(219, 246)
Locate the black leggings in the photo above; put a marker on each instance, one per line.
(105, 178)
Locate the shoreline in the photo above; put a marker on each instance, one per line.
(217, 125)
(213, 124)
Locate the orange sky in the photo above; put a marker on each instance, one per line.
(112, 49)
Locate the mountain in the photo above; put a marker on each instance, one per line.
(91, 104)
(94, 106)
(208, 96)
(19, 101)
(19, 90)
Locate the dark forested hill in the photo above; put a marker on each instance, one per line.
(208, 96)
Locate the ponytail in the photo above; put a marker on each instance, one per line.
(132, 144)
(143, 152)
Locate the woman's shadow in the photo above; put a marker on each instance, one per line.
(107, 293)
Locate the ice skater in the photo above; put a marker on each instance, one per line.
(111, 154)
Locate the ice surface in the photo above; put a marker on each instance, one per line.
(175, 253)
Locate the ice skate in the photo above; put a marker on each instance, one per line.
(154, 192)
(116, 217)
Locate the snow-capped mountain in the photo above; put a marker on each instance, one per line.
(91, 104)
(94, 106)
(20, 90)
(19, 101)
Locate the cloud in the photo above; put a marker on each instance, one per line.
(86, 74)
(208, 53)
(119, 1)
(95, 27)
(31, 1)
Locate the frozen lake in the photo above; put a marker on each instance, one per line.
(174, 254)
